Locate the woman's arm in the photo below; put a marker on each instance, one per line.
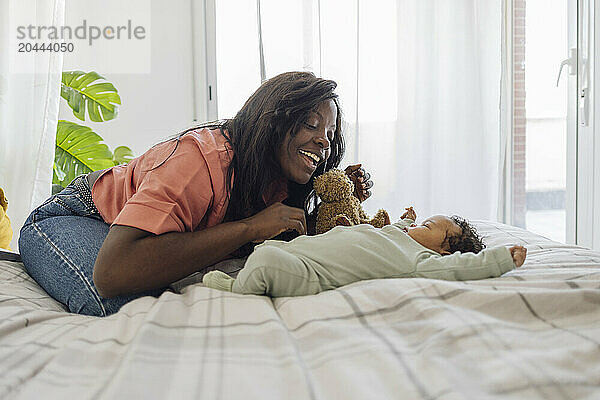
(132, 260)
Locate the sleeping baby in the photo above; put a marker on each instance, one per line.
(441, 247)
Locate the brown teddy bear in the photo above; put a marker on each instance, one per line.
(339, 206)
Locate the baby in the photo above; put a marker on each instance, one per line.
(441, 247)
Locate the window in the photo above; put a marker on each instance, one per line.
(540, 115)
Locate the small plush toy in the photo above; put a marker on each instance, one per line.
(339, 206)
(6, 232)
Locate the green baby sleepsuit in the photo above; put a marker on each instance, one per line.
(309, 265)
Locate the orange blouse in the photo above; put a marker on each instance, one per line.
(187, 193)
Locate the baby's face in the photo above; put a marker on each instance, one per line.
(432, 233)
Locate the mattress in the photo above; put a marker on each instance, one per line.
(533, 333)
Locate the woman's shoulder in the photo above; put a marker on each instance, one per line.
(208, 139)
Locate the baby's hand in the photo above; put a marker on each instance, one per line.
(410, 213)
(518, 254)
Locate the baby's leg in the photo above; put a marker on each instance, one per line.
(273, 271)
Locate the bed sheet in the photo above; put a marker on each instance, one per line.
(533, 333)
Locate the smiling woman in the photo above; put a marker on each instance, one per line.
(212, 192)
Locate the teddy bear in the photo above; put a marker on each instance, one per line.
(339, 206)
(6, 232)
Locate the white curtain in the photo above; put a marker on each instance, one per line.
(420, 86)
(29, 96)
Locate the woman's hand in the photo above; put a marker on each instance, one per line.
(360, 178)
(275, 219)
(342, 220)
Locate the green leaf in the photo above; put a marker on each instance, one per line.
(81, 90)
(122, 155)
(58, 174)
(78, 151)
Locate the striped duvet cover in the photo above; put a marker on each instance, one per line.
(533, 333)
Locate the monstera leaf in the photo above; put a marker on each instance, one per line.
(78, 151)
(122, 155)
(89, 90)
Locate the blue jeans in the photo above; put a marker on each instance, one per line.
(59, 243)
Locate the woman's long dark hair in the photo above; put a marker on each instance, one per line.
(280, 105)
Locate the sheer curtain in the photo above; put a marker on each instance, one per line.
(29, 95)
(420, 86)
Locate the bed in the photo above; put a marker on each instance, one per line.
(533, 333)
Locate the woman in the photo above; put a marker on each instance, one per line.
(190, 202)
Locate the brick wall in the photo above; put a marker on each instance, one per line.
(519, 115)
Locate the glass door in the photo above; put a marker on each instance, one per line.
(544, 117)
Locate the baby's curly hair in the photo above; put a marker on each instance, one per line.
(468, 241)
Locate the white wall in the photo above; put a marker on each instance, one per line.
(156, 104)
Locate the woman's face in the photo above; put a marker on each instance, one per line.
(299, 156)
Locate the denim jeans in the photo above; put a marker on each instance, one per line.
(59, 243)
